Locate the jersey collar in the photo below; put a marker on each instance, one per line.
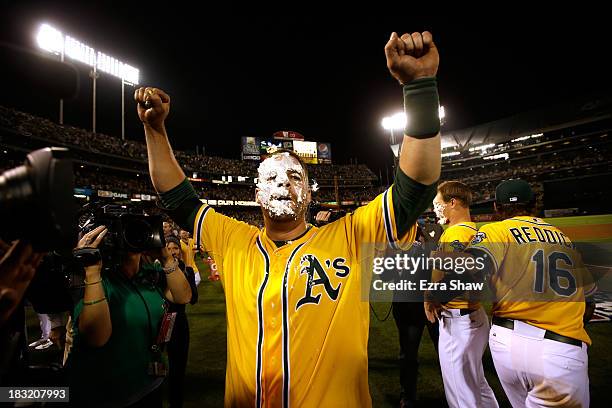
(289, 244)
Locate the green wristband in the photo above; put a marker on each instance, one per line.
(422, 104)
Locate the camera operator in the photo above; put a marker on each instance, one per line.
(178, 346)
(118, 335)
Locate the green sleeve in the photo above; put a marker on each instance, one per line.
(410, 199)
(182, 204)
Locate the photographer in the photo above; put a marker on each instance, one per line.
(116, 328)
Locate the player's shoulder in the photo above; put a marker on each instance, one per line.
(467, 227)
(462, 232)
(491, 232)
(494, 226)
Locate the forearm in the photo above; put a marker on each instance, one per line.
(420, 157)
(94, 321)
(589, 310)
(164, 169)
(178, 290)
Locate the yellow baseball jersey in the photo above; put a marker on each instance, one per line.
(456, 239)
(538, 275)
(297, 327)
(188, 254)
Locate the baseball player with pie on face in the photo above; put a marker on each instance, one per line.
(464, 326)
(297, 327)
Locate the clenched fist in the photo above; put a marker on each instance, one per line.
(412, 56)
(153, 106)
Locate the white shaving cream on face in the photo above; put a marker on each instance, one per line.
(439, 210)
(273, 184)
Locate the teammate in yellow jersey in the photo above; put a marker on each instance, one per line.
(297, 328)
(464, 326)
(537, 340)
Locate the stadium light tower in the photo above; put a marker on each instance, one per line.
(52, 40)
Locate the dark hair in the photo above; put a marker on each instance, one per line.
(174, 240)
(515, 209)
(457, 190)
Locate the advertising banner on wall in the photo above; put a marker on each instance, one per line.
(250, 148)
(324, 153)
(306, 150)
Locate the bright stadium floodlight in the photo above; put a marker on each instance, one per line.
(52, 40)
(391, 123)
(395, 122)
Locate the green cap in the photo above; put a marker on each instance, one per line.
(514, 191)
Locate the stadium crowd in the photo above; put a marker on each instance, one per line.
(32, 126)
(124, 166)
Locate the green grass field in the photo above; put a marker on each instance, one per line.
(205, 378)
(206, 370)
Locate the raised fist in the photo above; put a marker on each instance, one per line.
(412, 56)
(153, 106)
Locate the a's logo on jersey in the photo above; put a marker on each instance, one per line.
(478, 238)
(310, 265)
(457, 245)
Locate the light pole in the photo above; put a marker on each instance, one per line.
(122, 109)
(94, 75)
(52, 40)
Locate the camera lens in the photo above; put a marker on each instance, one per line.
(36, 201)
(137, 233)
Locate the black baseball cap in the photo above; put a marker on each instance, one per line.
(514, 191)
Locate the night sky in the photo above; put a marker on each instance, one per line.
(325, 77)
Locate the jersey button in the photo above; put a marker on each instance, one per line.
(273, 322)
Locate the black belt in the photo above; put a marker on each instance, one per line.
(509, 324)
